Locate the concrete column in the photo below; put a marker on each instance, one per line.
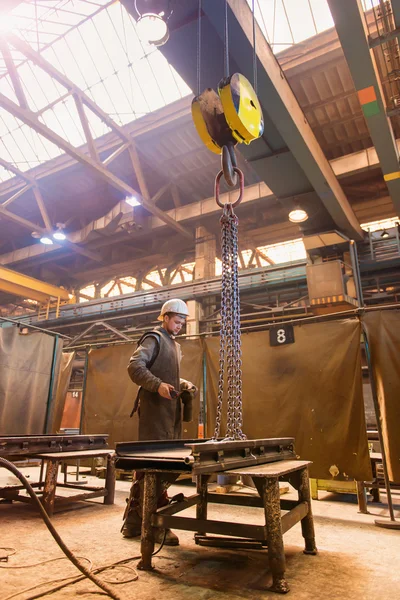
(193, 320)
(206, 251)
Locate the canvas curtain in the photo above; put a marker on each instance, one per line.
(110, 393)
(25, 370)
(383, 329)
(310, 390)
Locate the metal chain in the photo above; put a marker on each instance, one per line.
(230, 357)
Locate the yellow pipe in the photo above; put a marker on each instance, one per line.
(22, 285)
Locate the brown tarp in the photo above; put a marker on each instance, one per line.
(25, 369)
(110, 393)
(310, 390)
(64, 377)
(383, 329)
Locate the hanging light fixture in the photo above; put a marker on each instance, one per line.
(46, 241)
(59, 235)
(384, 234)
(298, 215)
(152, 24)
(132, 201)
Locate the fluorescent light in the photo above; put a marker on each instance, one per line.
(153, 29)
(298, 215)
(47, 241)
(59, 235)
(132, 201)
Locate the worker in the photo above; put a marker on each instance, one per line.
(155, 368)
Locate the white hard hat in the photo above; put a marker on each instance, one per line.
(174, 306)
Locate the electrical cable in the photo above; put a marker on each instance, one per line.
(104, 586)
(67, 580)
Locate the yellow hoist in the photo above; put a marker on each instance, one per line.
(231, 116)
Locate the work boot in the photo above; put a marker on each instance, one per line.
(171, 539)
(133, 525)
(134, 531)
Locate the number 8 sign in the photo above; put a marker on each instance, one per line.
(281, 335)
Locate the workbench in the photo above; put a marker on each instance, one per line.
(164, 467)
(54, 450)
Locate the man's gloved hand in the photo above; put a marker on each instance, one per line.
(188, 393)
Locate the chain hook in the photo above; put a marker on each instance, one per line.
(241, 188)
(228, 164)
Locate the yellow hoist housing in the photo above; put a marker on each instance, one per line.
(231, 116)
(242, 109)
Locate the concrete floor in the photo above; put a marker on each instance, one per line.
(356, 560)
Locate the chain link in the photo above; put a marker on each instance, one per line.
(230, 356)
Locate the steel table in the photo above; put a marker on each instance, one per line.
(56, 449)
(266, 461)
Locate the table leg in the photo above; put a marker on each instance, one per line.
(276, 552)
(307, 523)
(50, 484)
(110, 480)
(201, 507)
(362, 498)
(149, 508)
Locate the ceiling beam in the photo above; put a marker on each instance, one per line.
(29, 118)
(21, 221)
(353, 34)
(282, 106)
(188, 214)
(13, 73)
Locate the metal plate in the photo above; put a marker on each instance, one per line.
(25, 445)
(202, 456)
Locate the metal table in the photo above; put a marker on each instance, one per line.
(29, 445)
(55, 450)
(266, 461)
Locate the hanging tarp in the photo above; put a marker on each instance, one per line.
(383, 330)
(64, 377)
(310, 389)
(25, 372)
(110, 393)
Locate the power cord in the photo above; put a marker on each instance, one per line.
(86, 572)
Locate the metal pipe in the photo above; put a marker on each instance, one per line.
(51, 385)
(84, 388)
(21, 323)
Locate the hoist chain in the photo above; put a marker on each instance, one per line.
(230, 357)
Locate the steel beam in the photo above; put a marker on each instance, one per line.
(282, 106)
(28, 287)
(21, 221)
(29, 118)
(123, 213)
(287, 132)
(13, 73)
(353, 34)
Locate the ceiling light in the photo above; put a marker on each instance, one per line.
(59, 235)
(132, 201)
(153, 29)
(36, 235)
(298, 215)
(384, 234)
(46, 241)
